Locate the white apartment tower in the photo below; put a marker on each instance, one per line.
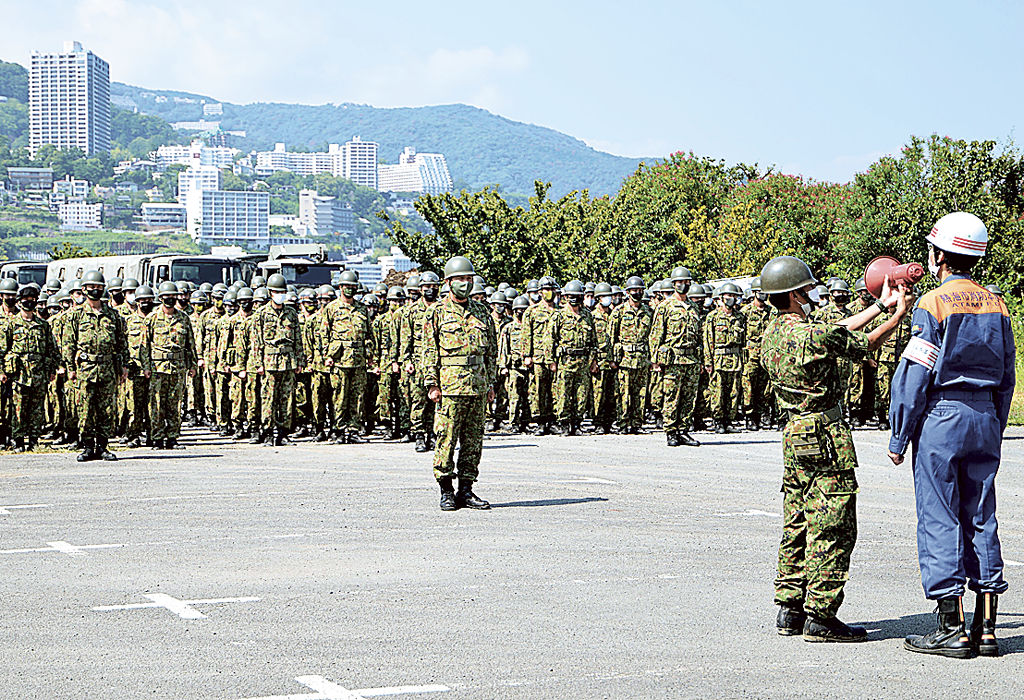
(69, 100)
(415, 172)
(361, 162)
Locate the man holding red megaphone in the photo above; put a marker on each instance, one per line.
(951, 400)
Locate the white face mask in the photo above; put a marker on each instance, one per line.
(130, 297)
(814, 296)
(279, 298)
(588, 302)
(933, 267)
(606, 301)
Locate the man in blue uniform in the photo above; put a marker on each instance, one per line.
(951, 400)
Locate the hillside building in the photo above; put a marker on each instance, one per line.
(69, 100)
(415, 172)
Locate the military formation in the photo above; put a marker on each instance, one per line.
(96, 359)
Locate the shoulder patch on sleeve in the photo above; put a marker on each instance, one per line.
(922, 352)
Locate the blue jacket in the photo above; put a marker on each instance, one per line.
(960, 341)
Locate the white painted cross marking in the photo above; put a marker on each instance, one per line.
(6, 510)
(181, 608)
(750, 512)
(74, 550)
(326, 690)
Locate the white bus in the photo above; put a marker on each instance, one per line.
(150, 269)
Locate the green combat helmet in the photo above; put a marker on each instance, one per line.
(521, 302)
(396, 293)
(277, 283)
(93, 277)
(53, 285)
(755, 284)
(498, 298)
(602, 289)
(261, 295)
(458, 265)
(680, 274)
(573, 288)
(219, 290)
(698, 292)
(166, 289)
(994, 288)
(143, 292)
(8, 286)
(859, 286)
(114, 285)
(785, 274)
(634, 282)
(258, 281)
(347, 278)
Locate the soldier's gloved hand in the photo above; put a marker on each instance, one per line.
(329, 363)
(503, 372)
(528, 361)
(202, 362)
(241, 375)
(259, 371)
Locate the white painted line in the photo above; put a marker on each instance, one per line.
(64, 548)
(181, 608)
(1011, 562)
(750, 512)
(586, 480)
(6, 510)
(326, 690)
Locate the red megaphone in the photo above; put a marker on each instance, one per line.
(877, 270)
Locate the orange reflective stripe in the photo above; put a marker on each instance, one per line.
(961, 296)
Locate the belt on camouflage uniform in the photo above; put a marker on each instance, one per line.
(831, 415)
(161, 355)
(632, 347)
(89, 357)
(574, 352)
(728, 351)
(462, 361)
(31, 355)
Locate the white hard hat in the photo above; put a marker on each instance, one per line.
(961, 233)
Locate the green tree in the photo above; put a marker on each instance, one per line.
(69, 250)
(14, 81)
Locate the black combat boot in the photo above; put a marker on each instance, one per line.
(257, 435)
(465, 498)
(421, 443)
(672, 438)
(281, 438)
(158, 444)
(321, 436)
(949, 638)
(686, 439)
(228, 430)
(431, 440)
(103, 453)
(172, 444)
(983, 625)
(354, 438)
(752, 423)
(88, 453)
(574, 429)
(790, 620)
(244, 433)
(447, 493)
(135, 441)
(559, 428)
(19, 445)
(831, 629)
(719, 427)
(699, 425)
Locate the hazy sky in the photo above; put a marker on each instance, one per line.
(816, 88)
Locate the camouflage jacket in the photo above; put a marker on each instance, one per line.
(311, 326)
(571, 337)
(801, 359)
(833, 313)
(138, 344)
(172, 345)
(97, 343)
(460, 348)
(535, 330)
(225, 330)
(509, 356)
(602, 319)
(348, 336)
(411, 338)
(757, 321)
(629, 332)
(724, 337)
(675, 334)
(241, 339)
(893, 347)
(28, 352)
(208, 326)
(275, 344)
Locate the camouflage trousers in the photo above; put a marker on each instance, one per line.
(348, 384)
(195, 398)
(57, 403)
(254, 400)
(239, 398)
(499, 409)
(421, 409)
(572, 384)
(603, 391)
(542, 406)
(27, 415)
(96, 404)
(883, 388)
(631, 385)
(137, 392)
(518, 384)
(303, 399)
(755, 387)
(655, 391)
(679, 392)
(323, 409)
(6, 407)
(860, 396)
(819, 527)
(368, 402)
(209, 392)
(166, 391)
(723, 394)
(459, 422)
(221, 397)
(384, 387)
(277, 394)
(701, 403)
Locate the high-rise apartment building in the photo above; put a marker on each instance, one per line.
(69, 100)
(361, 162)
(415, 172)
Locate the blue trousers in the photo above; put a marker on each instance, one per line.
(956, 457)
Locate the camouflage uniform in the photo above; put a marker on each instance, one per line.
(320, 379)
(276, 349)
(56, 392)
(411, 340)
(572, 340)
(755, 380)
(28, 356)
(385, 352)
(349, 343)
(222, 377)
(97, 352)
(510, 361)
(535, 328)
(675, 345)
(6, 390)
(172, 354)
(888, 358)
(235, 356)
(819, 485)
(724, 336)
(303, 415)
(859, 397)
(208, 326)
(459, 357)
(137, 392)
(195, 399)
(604, 382)
(629, 335)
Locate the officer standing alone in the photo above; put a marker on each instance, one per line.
(951, 399)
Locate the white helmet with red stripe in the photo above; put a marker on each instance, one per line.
(960, 232)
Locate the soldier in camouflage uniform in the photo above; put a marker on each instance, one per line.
(303, 418)
(697, 295)
(391, 397)
(8, 310)
(756, 401)
(604, 380)
(207, 341)
(860, 396)
(28, 362)
(655, 384)
(675, 344)
(275, 355)
(421, 409)
(725, 331)
(373, 370)
(195, 399)
(171, 356)
(572, 341)
(236, 356)
(349, 352)
(500, 315)
(512, 368)
(225, 378)
(96, 356)
(887, 359)
(535, 329)
(459, 361)
(629, 332)
(138, 430)
(819, 485)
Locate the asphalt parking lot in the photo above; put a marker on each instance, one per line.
(610, 566)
